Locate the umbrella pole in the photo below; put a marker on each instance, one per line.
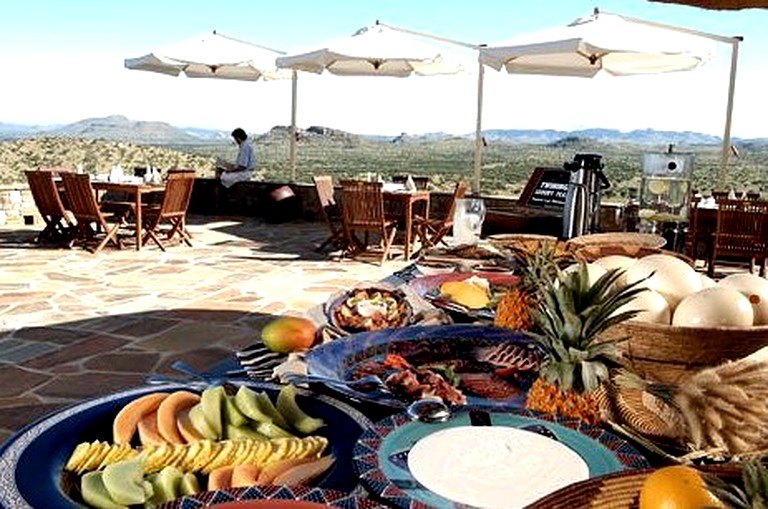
(294, 87)
(726, 151)
(478, 132)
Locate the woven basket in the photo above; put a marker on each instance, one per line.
(523, 240)
(593, 252)
(618, 238)
(616, 491)
(667, 352)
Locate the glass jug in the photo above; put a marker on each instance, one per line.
(468, 217)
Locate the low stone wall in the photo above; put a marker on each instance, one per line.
(273, 201)
(17, 206)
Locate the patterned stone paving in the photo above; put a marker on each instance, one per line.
(75, 325)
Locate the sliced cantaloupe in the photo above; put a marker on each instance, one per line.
(244, 475)
(187, 430)
(466, 293)
(127, 420)
(306, 472)
(167, 415)
(220, 478)
(275, 468)
(148, 433)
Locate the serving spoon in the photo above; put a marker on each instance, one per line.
(429, 410)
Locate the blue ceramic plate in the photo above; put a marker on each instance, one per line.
(380, 456)
(340, 359)
(32, 460)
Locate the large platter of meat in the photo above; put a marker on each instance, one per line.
(461, 364)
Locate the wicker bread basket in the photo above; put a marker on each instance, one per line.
(615, 491)
(593, 252)
(618, 238)
(524, 241)
(667, 352)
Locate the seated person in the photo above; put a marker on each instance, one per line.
(242, 168)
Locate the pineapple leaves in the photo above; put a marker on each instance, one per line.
(570, 316)
(593, 373)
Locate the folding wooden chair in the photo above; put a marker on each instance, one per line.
(432, 231)
(59, 225)
(740, 233)
(362, 205)
(330, 211)
(173, 210)
(82, 201)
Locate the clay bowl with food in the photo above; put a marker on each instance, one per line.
(368, 308)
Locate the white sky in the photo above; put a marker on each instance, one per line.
(61, 67)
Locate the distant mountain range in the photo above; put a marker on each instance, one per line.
(118, 127)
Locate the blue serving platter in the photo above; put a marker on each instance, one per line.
(33, 459)
(340, 358)
(380, 455)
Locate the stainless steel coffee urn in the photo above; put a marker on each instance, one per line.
(581, 214)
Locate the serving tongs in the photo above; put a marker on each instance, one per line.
(441, 302)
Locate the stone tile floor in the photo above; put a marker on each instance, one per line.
(75, 325)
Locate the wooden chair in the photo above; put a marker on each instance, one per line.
(59, 222)
(330, 211)
(693, 235)
(740, 233)
(432, 231)
(362, 207)
(85, 208)
(173, 210)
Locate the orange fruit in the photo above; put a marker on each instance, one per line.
(676, 487)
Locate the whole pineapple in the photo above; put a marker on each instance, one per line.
(753, 492)
(514, 310)
(569, 317)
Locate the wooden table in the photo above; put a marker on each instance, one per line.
(404, 200)
(137, 190)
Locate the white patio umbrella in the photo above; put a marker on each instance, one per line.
(376, 50)
(611, 44)
(212, 56)
(215, 56)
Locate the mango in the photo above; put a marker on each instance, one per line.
(289, 334)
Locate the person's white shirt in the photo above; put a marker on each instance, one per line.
(245, 158)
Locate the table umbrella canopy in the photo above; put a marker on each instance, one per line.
(212, 56)
(600, 43)
(614, 45)
(376, 50)
(721, 4)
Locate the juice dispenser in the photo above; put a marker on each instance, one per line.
(666, 186)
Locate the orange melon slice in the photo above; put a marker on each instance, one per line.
(275, 468)
(186, 429)
(148, 433)
(127, 419)
(306, 472)
(220, 478)
(167, 415)
(244, 475)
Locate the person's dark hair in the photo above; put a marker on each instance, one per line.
(239, 134)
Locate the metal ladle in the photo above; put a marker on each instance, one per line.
(429, 410)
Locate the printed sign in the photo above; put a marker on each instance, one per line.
(546, 189)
